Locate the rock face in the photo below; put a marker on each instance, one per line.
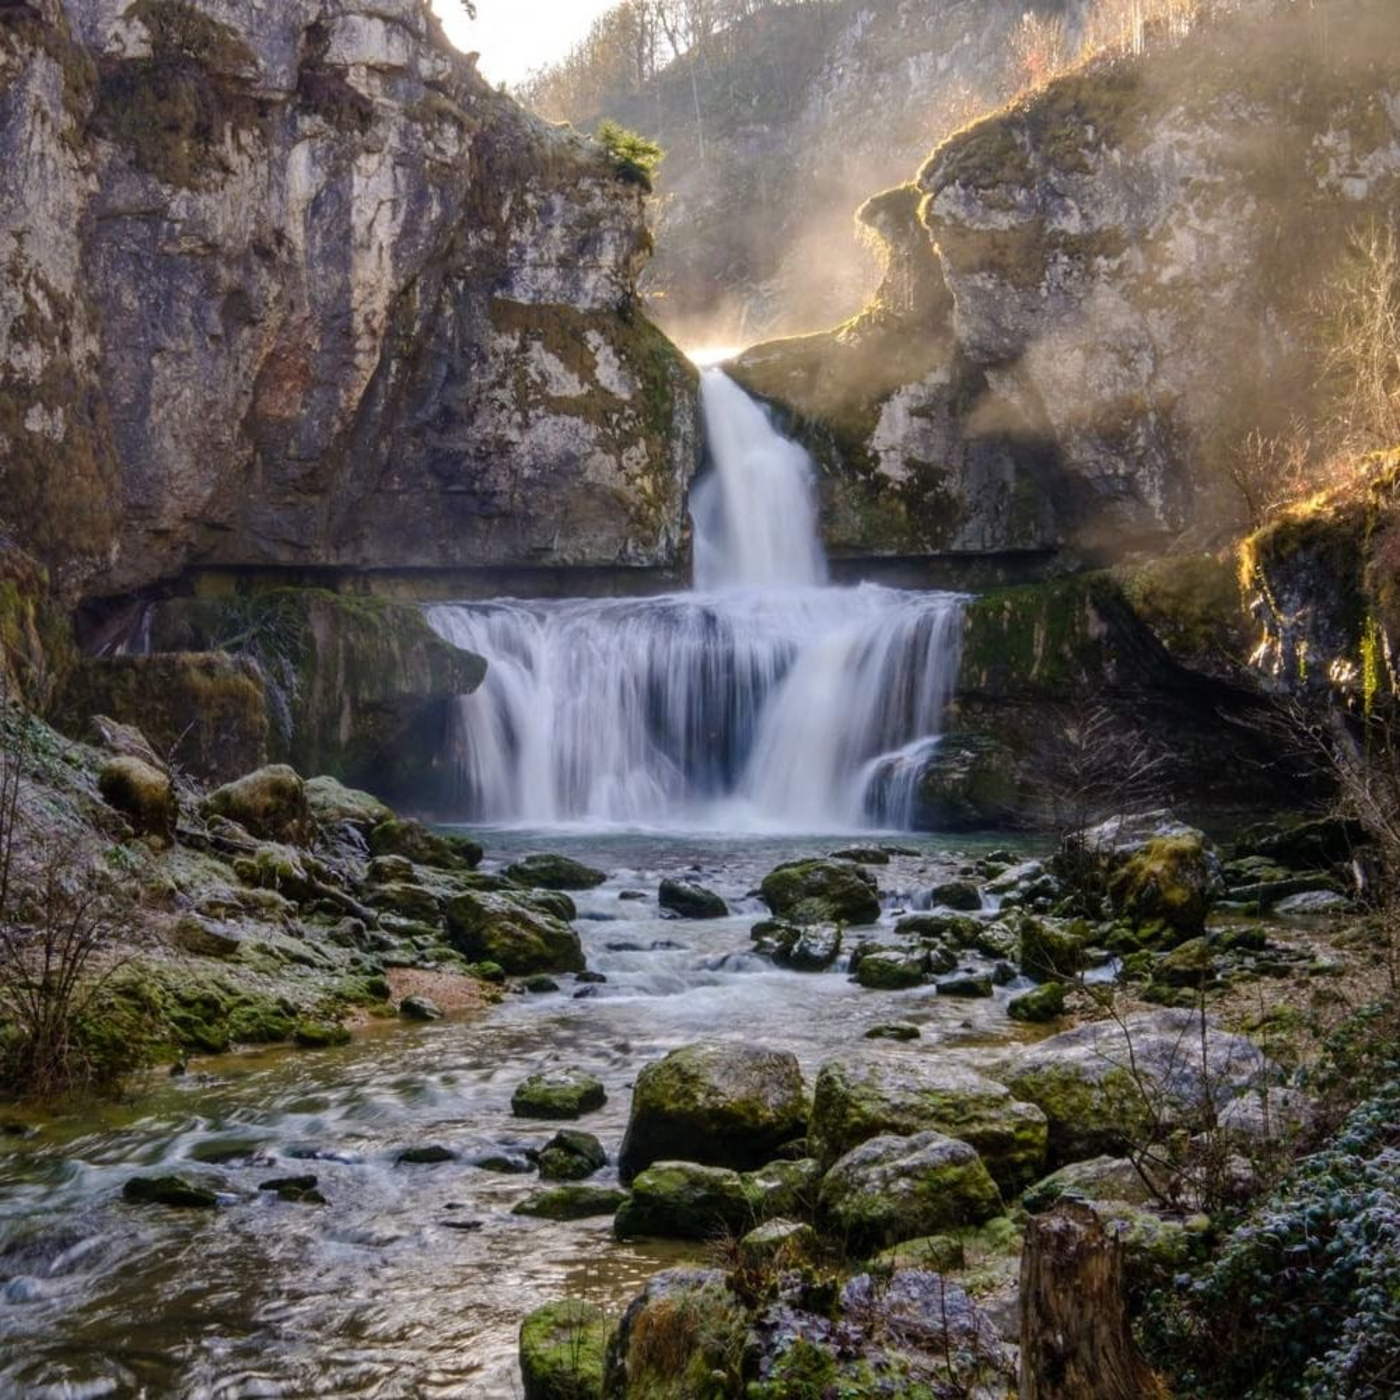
(722, 1105)
(1089, 290)
(293, 286)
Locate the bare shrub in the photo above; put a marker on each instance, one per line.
(59, 919)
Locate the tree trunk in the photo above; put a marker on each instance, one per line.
(1076, 1341)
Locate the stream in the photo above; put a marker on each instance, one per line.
(412, 1280)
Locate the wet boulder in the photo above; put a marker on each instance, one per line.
(899, 1188)
(415, 842)
(861, 1097)
(420, 1008)
(961, 895)
(551, 872)
(143, 794)
(721, 1104)
(822, 892)
(571, 1155)
(691, 901)
(1110, 1086)
(684, 1201)
(889, 969)
(969, 783)
(806, 948)
(571, 1202)
(1040, 1004)
(506, 930)
(783, 1188)
(270, 804)
(177, 1192)
(563, 1347)
(566, 1093)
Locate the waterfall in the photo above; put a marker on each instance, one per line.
(764, 699)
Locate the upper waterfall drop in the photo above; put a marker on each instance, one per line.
(755, 514)
(764, 700)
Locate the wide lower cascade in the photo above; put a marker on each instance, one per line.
(764, 698)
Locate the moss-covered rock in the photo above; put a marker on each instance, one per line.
(808, 948)
(559, 1094)
(822, 892)
(889, 969)
(778, 1244)
(144, 795)
(1172, 881)
(723, 1104)
(1040, 1004)
(784, 1188)
(898, 1188)
(333, 804)
(207, 712)
(504, 929)
(1048, 951)
(571, 1156)
(440, 850)
(684, 1201)
(1107, 1087)
(562, 1351)
(553, 872)
(969, 783)
(572, 1202)
(1096, 1179)
(360, 686)
(859, 1097)
(270, 803)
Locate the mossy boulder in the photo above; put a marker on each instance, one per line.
(560, 1094)
(553, 872)
(563, 1347)
(860, 1097)
(783, 1188)
(571, 1156)
(1110, 1086)
(1172, 881)
(889, 969)
(1096, 1179)
(822, 892)
(899, 1188)
(684, 1201)
(144, 795)
(420, 1008)
(1192, 964)
(968, 985)
(721, 1104)
(1048, 951)
(333, 804)
(270, 803)
(571, 1202)
(961, 895)
(691, 901)
(1040, 1004)
(505, 930)
(407, 900)
(438, 850)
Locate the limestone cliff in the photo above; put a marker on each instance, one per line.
(290, 286)
(1113, 282)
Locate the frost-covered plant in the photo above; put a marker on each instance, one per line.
(1304, 1298)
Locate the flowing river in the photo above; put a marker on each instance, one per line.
(689, 736)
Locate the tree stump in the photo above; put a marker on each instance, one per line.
(1076, 1339)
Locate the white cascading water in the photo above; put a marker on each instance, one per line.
(764, 699)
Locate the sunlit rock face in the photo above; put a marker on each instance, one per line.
(1121, 277)
(290, 285)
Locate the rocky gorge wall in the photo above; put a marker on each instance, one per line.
(1094, 294)
(291, 287)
